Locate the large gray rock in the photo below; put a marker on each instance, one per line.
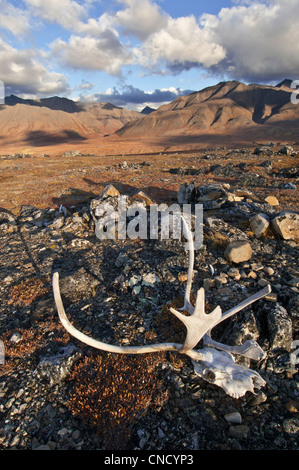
(280, 327)
(186, 193)
(54, 369)
(286, 224)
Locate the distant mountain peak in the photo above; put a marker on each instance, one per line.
(56, 103)
(147, 110)
(286, 82)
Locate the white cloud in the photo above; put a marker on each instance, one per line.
(261, 40)
(141, 18)
(182, 44)
(23, 74)
(13, 19)
(106, 53)
(67, 13)
(253, 40)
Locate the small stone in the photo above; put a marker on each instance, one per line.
(272, 201)
(271, 297)
(220, 280)
(292, 406)
(257, 267)
(35, 444)
(238, 251)
(257, 399)
(76, 434)
(182, 277)
(121, 260)
(240, 431)
(110, 191)
(143, 197)
(208, 284)
(234, 273)
(268, 270)
(149, 279)
(58, 222)
(16, 337)
(186, 193)
(252, 275)
(291, 426)
(134, 280)
(234, 418)
(136, 289)
(62, 432)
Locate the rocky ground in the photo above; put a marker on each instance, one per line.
(57, 393)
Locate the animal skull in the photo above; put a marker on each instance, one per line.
(214, 362)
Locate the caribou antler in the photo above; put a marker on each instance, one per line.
(214, 361)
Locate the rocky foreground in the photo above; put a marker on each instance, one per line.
(57, 393)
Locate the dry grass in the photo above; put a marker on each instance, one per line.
(110, 392)
(27, 291)
(30, 341)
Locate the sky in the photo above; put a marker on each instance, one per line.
(137, 53)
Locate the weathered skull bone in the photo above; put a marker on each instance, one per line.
(214, 362)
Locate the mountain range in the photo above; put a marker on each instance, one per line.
(229, 111)
(229, 108)
(58, 120)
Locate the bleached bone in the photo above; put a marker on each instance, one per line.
(214, 362)
(199, 322)
(219, 368)
(250, 348)
(99, 344)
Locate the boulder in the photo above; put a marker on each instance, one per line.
(286, 224)
(259, 224)
(286, 150)
(238, 251)
(280, 327)
(264, 150)
(186, 193)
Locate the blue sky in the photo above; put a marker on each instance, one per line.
(135, 53)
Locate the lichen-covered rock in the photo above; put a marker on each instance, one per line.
(280, 327)
(286, 224)
(259, 224)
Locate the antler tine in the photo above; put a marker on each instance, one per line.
(99, 344)
(187, 305)
(199, 325)
(249, 348)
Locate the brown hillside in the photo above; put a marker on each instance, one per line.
(40, 123)
(229, 108)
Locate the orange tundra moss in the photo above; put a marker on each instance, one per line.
(24, 293)
(110, 392)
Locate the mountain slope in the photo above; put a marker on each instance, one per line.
(229, 107)
(58, 119)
